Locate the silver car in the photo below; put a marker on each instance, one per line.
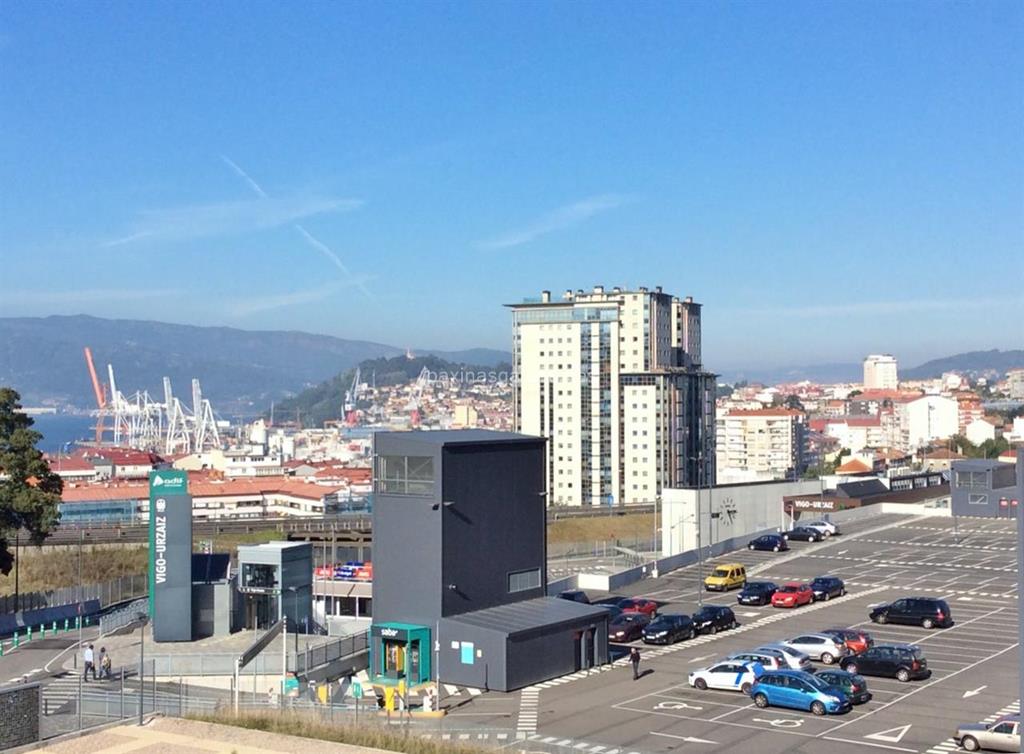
(825, 527)
(822, 647)
(1002, 735)
(794, 658)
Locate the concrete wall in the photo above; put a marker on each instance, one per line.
(19, 715)
(727, 512)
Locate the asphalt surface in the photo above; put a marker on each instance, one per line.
(973, 663)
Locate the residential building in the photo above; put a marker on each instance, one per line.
(980, 430)
(928, 418)
(880, 372)
(614, 381)
(1015, 384)
(760, 445)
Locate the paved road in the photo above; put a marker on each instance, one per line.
(974, 663)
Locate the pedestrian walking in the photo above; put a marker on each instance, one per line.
(272, 696)
(104, 663)
(88, 663)
(634, 659)
(312, 692)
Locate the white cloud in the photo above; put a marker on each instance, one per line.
(559, 219)
(228, 218)
(256, 304)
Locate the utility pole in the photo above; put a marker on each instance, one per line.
(81, 620)
(1020, 571)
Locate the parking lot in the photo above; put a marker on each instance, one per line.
(881, 559)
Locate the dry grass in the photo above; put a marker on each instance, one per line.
(304, 726)
(597, 528)
(51, 567)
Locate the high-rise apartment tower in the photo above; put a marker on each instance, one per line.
(614, 380)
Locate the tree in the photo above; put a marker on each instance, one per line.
(29, 490)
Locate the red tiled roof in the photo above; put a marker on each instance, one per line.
(853, 466)
(69, 463)
(202, 486)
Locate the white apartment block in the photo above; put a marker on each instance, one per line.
(760, 445)
(928, 418)
(614, 381)
(1015, 384)
(880, 372)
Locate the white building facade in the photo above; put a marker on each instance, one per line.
(881, 372)
(614, 381)
(930, 417)
(762, 445)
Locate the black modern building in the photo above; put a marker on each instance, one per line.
(983, 487)
(460, 553)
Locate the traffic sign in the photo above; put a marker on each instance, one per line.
(357, 690)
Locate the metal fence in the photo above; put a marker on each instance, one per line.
(125, 616)
(108, 593)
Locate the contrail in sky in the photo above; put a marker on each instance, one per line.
(310, 239)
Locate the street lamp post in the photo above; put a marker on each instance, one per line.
(143, 620)
(295, 606)
(1020, 571)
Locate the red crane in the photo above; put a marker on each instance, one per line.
(101, 394)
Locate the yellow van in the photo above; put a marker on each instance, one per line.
(725, 577)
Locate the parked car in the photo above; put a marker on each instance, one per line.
(793, 658)
(792, 594)
(767, 660)
(825, 527)
(627, 627)
(668, 629)
(803, 534)
(770, 542)
(904, 662)
(853, 685)
(614, 611)
(798, 690)
(827, 587)
(1002, 735)
(725, 577)
(729, 675)
(575, 595)
(926, 612)
(756, 593)
(639, 605)
(711, 619)
(856, 640)
(821, 647)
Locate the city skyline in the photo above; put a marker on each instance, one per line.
(816, 176)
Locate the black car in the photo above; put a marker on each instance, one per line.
(904, 662)
(853, 685)
(756, 593)
(771, 542)
(668, 629)
(575, 595)
(627, 627)
(926, 612)
(614, 611)
(804, 534)
(827, 587)
(711, 619)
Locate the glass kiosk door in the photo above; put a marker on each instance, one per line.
(400, 651)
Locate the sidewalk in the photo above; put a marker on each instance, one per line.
(173, 736)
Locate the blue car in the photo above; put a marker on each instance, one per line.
(799, 689)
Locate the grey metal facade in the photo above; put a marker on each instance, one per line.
(291, 591)
(463, 536)
(981, 487)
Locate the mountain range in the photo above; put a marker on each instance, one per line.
(992, 363)
(241, 371)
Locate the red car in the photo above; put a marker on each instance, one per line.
(638, 605)
(856, 641)
(792, 594)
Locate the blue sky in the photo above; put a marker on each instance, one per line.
(829, 179)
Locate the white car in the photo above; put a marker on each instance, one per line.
(825, 527)
(729, 675)
(821, 647)
(794, 658)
